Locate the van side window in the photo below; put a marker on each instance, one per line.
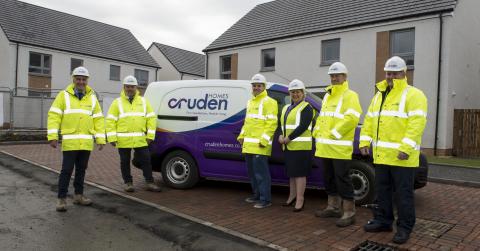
(281, 98)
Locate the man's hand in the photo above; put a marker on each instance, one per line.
(53, 143)
(149, 141)
(281, 140)
(402, 156)
(100, 147)
(240, 141)
(365, 151)
(286, 140)
(114, 144)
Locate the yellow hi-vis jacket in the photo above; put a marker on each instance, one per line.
(79, 121)
(302, 142)
(260, 125)
(131, 124)
(335, 126)
(395, 124)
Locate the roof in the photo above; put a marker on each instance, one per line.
(38, 26)
(184, 61)
(288, 18)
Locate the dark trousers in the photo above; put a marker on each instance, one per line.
(398, 181)
(259, 175)
(337, 178)
(71, 160)
(141, 159)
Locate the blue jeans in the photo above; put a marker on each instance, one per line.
(259, 175)
(71, 160)
(395, 181)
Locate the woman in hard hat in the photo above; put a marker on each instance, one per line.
(296, 141)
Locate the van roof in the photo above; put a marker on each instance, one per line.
(205, 82)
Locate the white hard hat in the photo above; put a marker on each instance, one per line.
(80, 71)
(337, 68)
(296, 85)
(395, 63)
(258, 79)
(130, 80)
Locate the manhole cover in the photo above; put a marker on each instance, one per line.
(431, 228)
(373, 246)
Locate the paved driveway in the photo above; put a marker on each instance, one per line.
(448, 216)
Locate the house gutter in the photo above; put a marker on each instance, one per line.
(16, 72)
(206, 65)
(440, 17)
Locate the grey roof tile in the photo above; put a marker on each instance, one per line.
(287, 18)
(184, 61)
(35, 25)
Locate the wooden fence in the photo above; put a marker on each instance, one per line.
(466, 133)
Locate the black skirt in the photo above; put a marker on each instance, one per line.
(298, 163)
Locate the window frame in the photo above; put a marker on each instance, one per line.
(323, 60)
(42, 66)
(114, 78)
(139, 79)
(404, 55)
(264, 68)
(71, 64)
(221, 70)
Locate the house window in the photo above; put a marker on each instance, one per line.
(268, 59)
(74, 63)
(142, 77)
(40, 63)
(226, 67)
(402, 44)
(115, 72)
(330, 51)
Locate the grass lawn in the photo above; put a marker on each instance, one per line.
(454, 161)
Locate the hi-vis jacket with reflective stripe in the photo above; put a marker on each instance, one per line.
(260, 125)
(395, 122)
(79, 121)
(336, 123)
(131, 124)
(302, 142)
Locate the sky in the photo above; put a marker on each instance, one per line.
(186, 24)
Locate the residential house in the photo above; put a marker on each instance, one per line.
(177, 64)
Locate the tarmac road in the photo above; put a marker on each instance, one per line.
(28, 220)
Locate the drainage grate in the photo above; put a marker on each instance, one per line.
(373, 246)
(431, 228)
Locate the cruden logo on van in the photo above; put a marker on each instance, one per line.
(209, 102)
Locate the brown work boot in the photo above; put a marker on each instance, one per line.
(332, 210)
(79, 199)
(129, 187)
(348, 217)
(152, 187)
(62, 205)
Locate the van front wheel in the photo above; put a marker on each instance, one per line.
(179, 170)
(363, 179)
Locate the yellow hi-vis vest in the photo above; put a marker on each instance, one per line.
(130, 125)
(395, 124)
(335, 126)
(79, 121)
(302, 142)
(260, 125)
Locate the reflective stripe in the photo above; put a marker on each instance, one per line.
(366, 138)
(151, 131)
(351, 111)
(336, 133)
(67, 100)
(77, 136)
(373, 114)
(94, 102)
(332, 114)
(393, 114)
(334, 142)
(132, 114)
(130, 134)
(253, 140)
(110, 134)
(99, 135)
(144, 105)
(271, 117)
(120, 106)
(417, 113)
(255, 116)
(266, 137)
(386, 144)
(152, 114)
(110, 116)
(97, 115)
(295, 127)
(76, 111)
(52, 131)
(303, 139)
(55, 110)
(410, 142)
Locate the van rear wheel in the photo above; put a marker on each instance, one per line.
(363, 179)
(179, 170)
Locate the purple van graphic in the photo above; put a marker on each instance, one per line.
(199, 121)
